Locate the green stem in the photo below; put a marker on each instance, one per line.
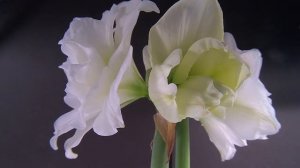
(159, 158)
(182, 154)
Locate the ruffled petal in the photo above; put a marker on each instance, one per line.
(195, 51)
(253, 104)
(251, 115)
(162, 93)
(231, 44)
(252, 98)
(64, 124)
(209, 58)
(91, 34)
(75, 140)
(184, 23)
(110, 118)
(196, 96)
(247, 123)
(222, 136)
(251, 57)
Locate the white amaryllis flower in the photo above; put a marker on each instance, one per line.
(196, 71)
(102, 77)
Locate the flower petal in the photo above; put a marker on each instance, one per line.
(222, 136)
(75, 140)
(111, 118)
(196, 96)
(161, 92)
(91, 34)
(127, 16)
(146, 58)
(230, 43)
(184, 23)
(64, 124)
(252, 96)
(209, 58)
(252, 116)
(195, 51)
(251, 57)
(248, 123)
(148, 6)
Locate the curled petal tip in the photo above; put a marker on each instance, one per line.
(149, 6)
(53, 143)
(70, 154)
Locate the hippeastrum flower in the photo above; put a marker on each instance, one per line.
(197, 71)
(102, 77)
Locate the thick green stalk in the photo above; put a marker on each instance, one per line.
(159, 158)
(182, 154)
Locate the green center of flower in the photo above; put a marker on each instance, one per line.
(221, 66)
(209, 58)
(206, 77)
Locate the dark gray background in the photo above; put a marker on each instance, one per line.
(32, 87)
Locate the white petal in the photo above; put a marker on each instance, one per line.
(254, 60)
(252, 106)
(222, 136)
(146, 58)
(248, 123)
(195, 51)
(110, 118)
(64, 124)
(148, 6)
(184, 23)
(96, 35)
(252, 98)
(75, 140)
(126, 19)
(71, 119)
(251, 57)
(161, 92)
(196, 96)
(75, 53)
(252, 115)
(106, 124)
(72, 101)
(230, 43)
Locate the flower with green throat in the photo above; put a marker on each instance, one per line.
(197, 71)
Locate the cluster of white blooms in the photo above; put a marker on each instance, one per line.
(195, 71)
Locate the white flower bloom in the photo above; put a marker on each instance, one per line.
(197, 71)
(102, 77)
